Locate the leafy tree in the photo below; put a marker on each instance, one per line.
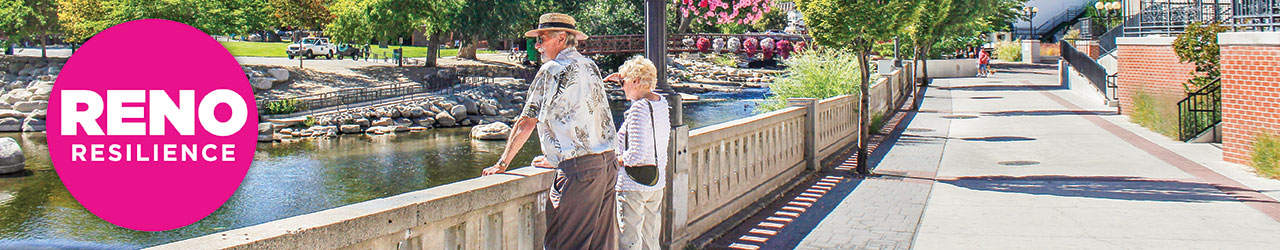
(220, 17)
(28, 19)
(307, 14)
(359, 21)
(81, 19)
(492, 19)
(957, 22)
(775, 19)
(1199, 45)
(856, 25)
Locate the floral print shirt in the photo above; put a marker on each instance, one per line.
(568, 99)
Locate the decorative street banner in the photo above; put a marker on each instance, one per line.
(152, 125)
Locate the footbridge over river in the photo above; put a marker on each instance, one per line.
(676, 43)
(720, 174)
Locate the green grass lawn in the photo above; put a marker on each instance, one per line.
(259, 49)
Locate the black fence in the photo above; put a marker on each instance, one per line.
(1084, 64)
(1255, 15)
(1200, 111)
(1170, 17)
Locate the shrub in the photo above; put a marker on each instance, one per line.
(1009, 51)
(285, 106)
(1155, 114)
(1266, 155)
(815, 73)
(724, 60)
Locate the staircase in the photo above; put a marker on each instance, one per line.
(1200, 112)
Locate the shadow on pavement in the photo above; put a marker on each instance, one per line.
(1103, 187)
(1046, 112)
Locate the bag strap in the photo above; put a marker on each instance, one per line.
(653, 124)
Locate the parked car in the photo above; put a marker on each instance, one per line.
(312, 47)
(352, 51)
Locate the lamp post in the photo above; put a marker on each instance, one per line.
(1031, 17)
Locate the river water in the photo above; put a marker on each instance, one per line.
(285, 180)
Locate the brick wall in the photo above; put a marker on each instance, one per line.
(1250, 91)
(1090, 48)
(1150, 66)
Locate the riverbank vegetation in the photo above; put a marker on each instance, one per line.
(819, 73)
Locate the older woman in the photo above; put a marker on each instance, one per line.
(642, 155)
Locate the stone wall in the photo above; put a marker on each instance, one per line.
(1250, 90)
(27, 82)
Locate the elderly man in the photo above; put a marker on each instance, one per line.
(567, 104)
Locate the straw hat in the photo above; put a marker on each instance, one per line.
(558, 22)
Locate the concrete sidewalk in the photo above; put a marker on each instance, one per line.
(1016, 162)
(1059, 171)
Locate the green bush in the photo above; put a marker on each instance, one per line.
(816, 73)
(1266, 155)
(285, 106)
(1155, 114)
(1009, 51)
(724, 60)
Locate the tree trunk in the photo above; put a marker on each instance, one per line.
(684, 25)
(468, 51)
(43, 49)
(924, 65)
(864, 115)
(915, 91)
(433, 49)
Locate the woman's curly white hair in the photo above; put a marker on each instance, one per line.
(641, 71)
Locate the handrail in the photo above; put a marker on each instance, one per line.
(1200, 110)
(1085, 65)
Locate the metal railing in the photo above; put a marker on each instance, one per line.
(1255, 15)
(1085, 65)
(1200, 111)
(1171, 17)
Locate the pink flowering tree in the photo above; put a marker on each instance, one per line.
(720, 11)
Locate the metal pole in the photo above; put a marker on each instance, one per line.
(655, 48)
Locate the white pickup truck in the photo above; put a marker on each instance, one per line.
(312, 47)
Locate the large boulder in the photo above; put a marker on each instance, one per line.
(7, 113)
(425, 122)
(417, 112)
(38, 114)
(11, 158)
(349, 129)
(381, 122)
(28, 106)
(10, 124)
(402, 122)
(261, 83)
(446, 120)
(17, 95)
(488, 109)
(377, 130)
(492, 131)
(459, 112)
(264, 132)
(280, 75)
(472, 107)
(32, 124)
(362, 122)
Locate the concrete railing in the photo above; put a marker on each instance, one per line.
(717, 172)
(490, 212)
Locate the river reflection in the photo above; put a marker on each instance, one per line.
(286, 179)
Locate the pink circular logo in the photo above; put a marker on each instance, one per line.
(152, 125)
